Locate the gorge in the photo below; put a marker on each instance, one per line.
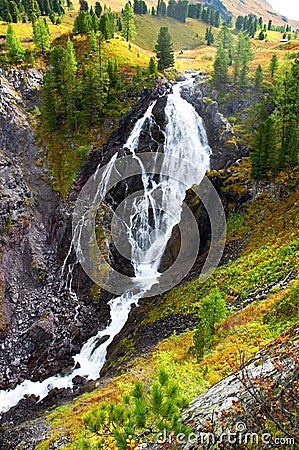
(149, 223)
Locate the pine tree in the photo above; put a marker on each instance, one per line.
(242, 55)
(32, 9)
(263, 155)
(143, 413)
(209, 36)
(113, 72)
(70, 84)
(5, 12)
(59, 89)
(161, 8)
(83, 5)
(95, 87)
(262, 35)
(225, 37)
(128, 25)
(41, 35)
(98, 9)
(16, 51)
(258, 78)
(106, 25)
(164, 50)
(14, 12)
(273, 65)
(83, 23)
(138, 76)
(220, 74)
(270, 25)
(94, 46)
(239, 23)
(152, 67)
(211, 312)
(53, 105)
(287, 117)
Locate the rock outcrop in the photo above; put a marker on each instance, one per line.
(225, 148)
(41, 327)
(250, 388)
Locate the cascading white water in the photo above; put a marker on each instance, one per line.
(149, 230)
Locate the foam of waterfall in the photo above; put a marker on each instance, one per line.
(151, 221)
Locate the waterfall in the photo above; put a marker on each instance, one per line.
(153, 217)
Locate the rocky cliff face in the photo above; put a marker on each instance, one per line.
(225, 148)
(234, 404)
(43, 324)
(40, 325)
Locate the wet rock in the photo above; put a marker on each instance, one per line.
(79, 381)
(225, 148)
(43, 323)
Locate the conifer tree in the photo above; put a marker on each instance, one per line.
(32, 9)
(94, 46)
(106, 25)
(212, 312)
(220, 74)
(164, 50)
(287, 117)
(263, 155)
(5, 12)
(83, 23)
(258, 78)
(95, 88)
(98, 9)
(41, 35)
(128, 25)
(161, 8)
(113, 73)
(152, 67)
(209, 36)
(53, 105)
(16, 51)
(70, 69)
(143, 413)
(273, 65)
(242, 55)
(14, 12)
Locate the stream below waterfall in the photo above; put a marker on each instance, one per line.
(148, 232)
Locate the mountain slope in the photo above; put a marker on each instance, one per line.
(257, 7)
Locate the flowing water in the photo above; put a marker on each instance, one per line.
(149, 228)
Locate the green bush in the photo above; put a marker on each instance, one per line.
(142, 414)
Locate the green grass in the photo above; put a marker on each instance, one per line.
(271, 254)
(184, 35)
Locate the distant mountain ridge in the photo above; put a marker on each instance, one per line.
(257, 7)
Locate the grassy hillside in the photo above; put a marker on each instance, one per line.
(245, 331)
(24, 30)
(184, 35)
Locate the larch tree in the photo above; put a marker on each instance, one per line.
(258, 77)
(220, 74)
(164, 50)
(16, 51)
(128, 25)
(273, 66)
(70, 70)
(263, 155)
(152, 66)
(41, 35)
